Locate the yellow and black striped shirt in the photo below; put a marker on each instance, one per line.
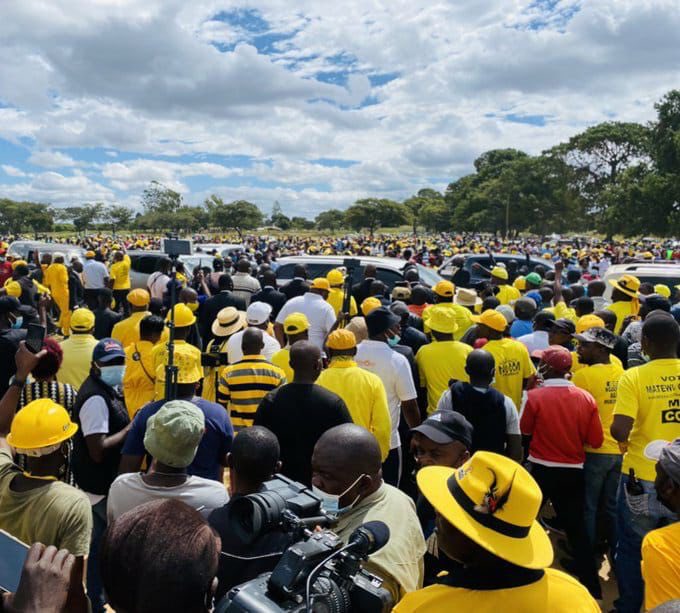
(242, 385)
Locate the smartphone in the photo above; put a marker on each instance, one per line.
(35, 337)
(12, 555)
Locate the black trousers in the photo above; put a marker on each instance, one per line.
(391, 468)
(120, 296)
(91, 298)
(565, 488)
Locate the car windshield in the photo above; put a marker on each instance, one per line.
(428, 275)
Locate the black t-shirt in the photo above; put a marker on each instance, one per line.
(299, 413)
(104, 320)
(9, 343)
(240, 561)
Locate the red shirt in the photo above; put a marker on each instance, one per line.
(5, 271)
(561, 418)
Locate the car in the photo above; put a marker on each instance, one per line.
(666, 273)
(143, 263)
(388, 270)
(25, 250)
(476, 276)
(224, 249)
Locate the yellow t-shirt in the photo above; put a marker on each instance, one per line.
(140, 377)
(576, 364)
(120, 273)
(211, 373)
(621, 310)
(365, 397)
(438, 363)
(601, 380)
(463, 318)
(282, 359)
(507, 294)
(555, 592)
(77, 360)
(335, 298)
(513, 365)
(650, 394)
(562, 311)
(186, 357)
(661, 565)
(126, 331)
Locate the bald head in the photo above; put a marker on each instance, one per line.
(188, 295)
(353, 451)
(243, 265)
(252, 342)
(305, 360)
(480, 366)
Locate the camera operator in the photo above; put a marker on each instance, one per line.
(253, 459)
(347, 475)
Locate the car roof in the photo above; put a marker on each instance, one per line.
(666, 269)
(339, 259)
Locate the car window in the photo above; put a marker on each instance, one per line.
(285, 271)
(428, 275)
(145, 264)
(389, 277)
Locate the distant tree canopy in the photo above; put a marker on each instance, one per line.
(614, 177)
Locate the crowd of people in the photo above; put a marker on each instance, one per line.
(495, 428)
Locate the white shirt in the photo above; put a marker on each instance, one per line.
(94, 273)
(320, 315)
(94, 419)
(157, 284)
(536, 341)
(129, 491)
(245, 285)
(511, 414)
(235, 353)
(395, 373)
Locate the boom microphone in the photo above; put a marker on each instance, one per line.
(369, 537)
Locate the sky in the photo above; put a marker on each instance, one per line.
(311, 104)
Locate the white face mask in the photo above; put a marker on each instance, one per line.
(331, 502)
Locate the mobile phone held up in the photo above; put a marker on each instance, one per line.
(35, 336)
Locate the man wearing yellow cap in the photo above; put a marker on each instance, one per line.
(77, 349)
(295, 327)
(336, 294)
(514, 367)
(444, 294)
(126, 331)
(486, 520)
(625, 299)
(506, 292)
(363, 392)
(35, 506)
(443, 359)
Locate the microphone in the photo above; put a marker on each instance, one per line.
(369, 537)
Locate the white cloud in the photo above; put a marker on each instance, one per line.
(140, 80)
(12, 171)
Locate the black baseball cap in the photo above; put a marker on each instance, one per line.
(444, 427)
(106, 350)
(562, 325)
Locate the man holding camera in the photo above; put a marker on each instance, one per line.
(347, 476)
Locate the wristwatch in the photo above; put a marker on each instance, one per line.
(17, 382)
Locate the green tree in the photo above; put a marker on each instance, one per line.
(15, 217)
(425, 198)
(118, 217)
(332, 220)
(277, 218)
(301, 223)
(665, 133)
(238, 215)
(157, 198)
(373, 213)
(82, 217)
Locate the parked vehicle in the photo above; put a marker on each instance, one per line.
(476, 276)
(143, 263)
(26, 249)
(666, 273)
(388, 270)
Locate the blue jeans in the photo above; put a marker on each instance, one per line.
(601, 472)
(95, 590)
(631, 528)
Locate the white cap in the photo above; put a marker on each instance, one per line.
(258, 313)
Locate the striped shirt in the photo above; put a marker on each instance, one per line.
(242, 385)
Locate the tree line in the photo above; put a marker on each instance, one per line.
(614, 177)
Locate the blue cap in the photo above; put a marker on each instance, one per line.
(106, 350)
(535, 296)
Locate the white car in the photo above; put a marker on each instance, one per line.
(25, 249)
(648, 272)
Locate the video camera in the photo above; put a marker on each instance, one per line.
(316, 573)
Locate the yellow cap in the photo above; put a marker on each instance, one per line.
(341, 339)
(188, 367)
(335, 277)
(520, 283)
(17, 263)
(369, 304)
(499, 273)
(492, 319)
(41, 423)
(659, 288)
(183, 316)
(13, 289)
(89, 254)
(444, 289)
(321, 283)
(586, 322)
(82, 320)
(442, 319)
(295, 323)
(138, 297)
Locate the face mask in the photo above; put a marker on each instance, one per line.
(393, 340)
(17, 323)
(112, 375)
(331, 502)
(193, 306)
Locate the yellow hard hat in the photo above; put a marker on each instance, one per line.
(369, 304)
(41, 423)
(183, 315)
(335, 277)
(659, 288)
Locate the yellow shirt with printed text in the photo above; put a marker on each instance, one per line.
(438, 363)
(513, 366)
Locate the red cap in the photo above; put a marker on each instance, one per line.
(555, 356)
